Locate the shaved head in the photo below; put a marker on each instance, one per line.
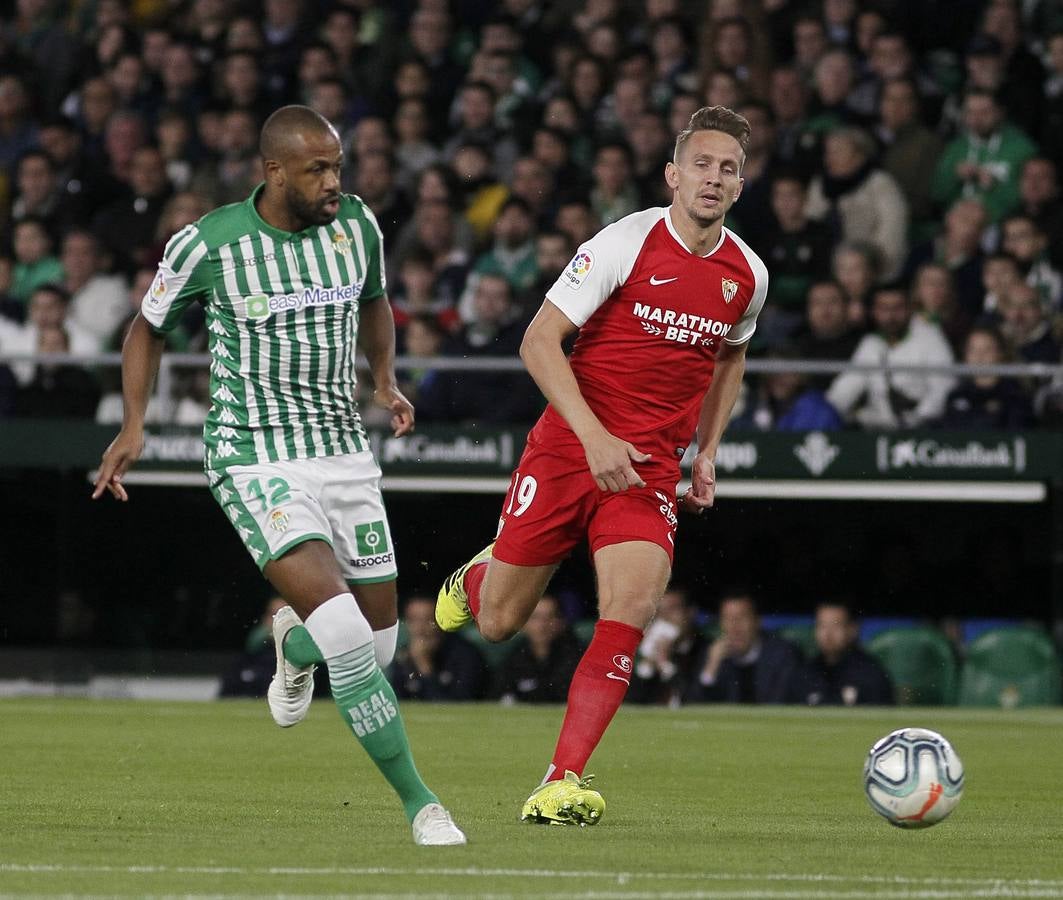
(288, 130)
(301, 161)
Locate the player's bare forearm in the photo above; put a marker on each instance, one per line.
(548, 366)
(720, 400)
(376, 337)
(609, 458)
(141, 353)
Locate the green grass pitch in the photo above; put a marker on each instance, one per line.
(137, 799)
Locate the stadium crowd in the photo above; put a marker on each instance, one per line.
(902, 183)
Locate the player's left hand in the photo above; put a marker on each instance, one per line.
(401, 409)
(702, 491)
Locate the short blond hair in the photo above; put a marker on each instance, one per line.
(715, 118)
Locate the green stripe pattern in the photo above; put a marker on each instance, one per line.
(282, 319)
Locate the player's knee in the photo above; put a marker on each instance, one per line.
(497, 626)
(628, 607)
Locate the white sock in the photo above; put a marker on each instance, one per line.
(338, 626)
(384, 642)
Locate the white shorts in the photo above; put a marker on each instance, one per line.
(276, 505)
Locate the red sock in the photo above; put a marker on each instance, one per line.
(598, 687)
(471, 582)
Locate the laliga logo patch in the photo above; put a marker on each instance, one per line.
(730, 288)
(157, 291)
(623, 663)
(577, 270)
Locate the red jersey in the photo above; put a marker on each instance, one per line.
(652, 318)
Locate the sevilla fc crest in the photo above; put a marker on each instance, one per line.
(730, 288)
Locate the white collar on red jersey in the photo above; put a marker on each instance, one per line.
(681, 242)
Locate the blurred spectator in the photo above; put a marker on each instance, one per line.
(1023, 71)
(827, 334)
(434, 665)
(512, 255)
(934, 300)
(867, 203)
(231, 177)
(496, 330)
(61, 141)
(670, 651)
(855, 268)
(797, 252)
(759, 172)
(842, 672)
(434, 228)
(999, 274)
(794, 145)
(832, 87)
(430, 34)
(553, 250)
(56, 390)
(422, 337)
(483, 193)
(540, 667)
(17, 131)
(984, 161)
(986, 401)
(1039, 198)
(38, 195)
(576, 219)
(534, 184)
(910, 149)
(476, 123)
(785, 401)
(959, 249)
(173, 136)
(884, 399)
(414, 292)
(128, 223)
(35, 263)
(1027, 326)
(1024, 240)
(182, 209)
(745, 664)
(97, 300)
(1051, 131)
(374, 182)
(413, 149)
(553, 147)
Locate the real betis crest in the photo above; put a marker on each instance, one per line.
(341, 243)
(730, 288)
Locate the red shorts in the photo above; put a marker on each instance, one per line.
(553, 503)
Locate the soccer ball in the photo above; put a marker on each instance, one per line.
(913, 778)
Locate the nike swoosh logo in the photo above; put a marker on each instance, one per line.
(617, 678)
(654, 280)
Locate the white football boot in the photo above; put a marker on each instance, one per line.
(292, 688)
(433, 827)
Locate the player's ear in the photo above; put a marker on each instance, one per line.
(671, 174)
(273, 172)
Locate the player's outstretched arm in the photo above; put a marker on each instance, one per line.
(608, 457)
(376, 337)
(140, 363)
(715, 414)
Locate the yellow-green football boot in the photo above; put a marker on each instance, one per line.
(452, 603)
(569, 801)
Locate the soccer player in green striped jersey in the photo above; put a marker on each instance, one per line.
(292, 281)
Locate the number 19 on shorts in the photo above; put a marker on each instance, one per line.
(521, 494)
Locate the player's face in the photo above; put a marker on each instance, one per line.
(705, 177)
(312, 180)
(834, 631)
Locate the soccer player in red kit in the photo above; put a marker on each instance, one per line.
(665, 301)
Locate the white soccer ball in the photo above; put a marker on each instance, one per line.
(913, 778)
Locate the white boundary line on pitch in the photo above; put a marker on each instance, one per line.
(621, 878)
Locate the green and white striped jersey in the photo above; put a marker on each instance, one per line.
(282, 319)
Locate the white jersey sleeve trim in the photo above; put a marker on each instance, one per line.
(601, 265)
(168, 284)
(746, 325)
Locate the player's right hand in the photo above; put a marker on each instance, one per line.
(609, 459)
(123, 452)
